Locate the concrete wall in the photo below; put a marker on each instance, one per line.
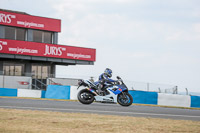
(174, 100)
(195, 101)
(74, 92)
(144, 97)
(62, 81)
(140, 97)
(58, 92)
(15, 82)
(8, 92)
(29, 93)
(24, 82)
(1, 82)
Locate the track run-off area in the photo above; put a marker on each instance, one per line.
(101, 108)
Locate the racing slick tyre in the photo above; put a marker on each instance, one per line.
(85, 97)
(125, 99)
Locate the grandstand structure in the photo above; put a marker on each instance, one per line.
(29, 50)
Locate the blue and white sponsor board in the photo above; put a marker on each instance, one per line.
(29, 93)
(140, 97)
(57, 92)
(174, 100)
(144, 97)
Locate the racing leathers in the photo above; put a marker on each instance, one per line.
(104, 82)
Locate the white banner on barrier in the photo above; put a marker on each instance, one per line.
(29, 93)
(174, 100)
(74, 92)
(1, 82)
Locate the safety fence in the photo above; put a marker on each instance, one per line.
(139, 97)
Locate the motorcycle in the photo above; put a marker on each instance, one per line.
(115, 93)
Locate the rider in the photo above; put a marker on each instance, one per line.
(105, 79)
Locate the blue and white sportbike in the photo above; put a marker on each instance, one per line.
(115, 93)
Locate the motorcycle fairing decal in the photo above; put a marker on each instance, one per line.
(103, 98)
(118, 91)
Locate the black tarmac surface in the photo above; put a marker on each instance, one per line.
(101, 108)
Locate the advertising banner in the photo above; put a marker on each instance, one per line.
(29, 21)
(46, 50)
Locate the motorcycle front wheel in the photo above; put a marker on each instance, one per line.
(125, 99)
(85, 97)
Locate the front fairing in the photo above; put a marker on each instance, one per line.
(117, 89)
(123, 86)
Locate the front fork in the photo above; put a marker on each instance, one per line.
(124, 96)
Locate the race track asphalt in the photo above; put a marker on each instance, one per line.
(101, 108)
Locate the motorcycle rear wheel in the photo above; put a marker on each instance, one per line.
(85, 97)
(125, 101)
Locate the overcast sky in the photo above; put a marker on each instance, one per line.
(152, 41)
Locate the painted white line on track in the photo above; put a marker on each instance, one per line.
(99, 111)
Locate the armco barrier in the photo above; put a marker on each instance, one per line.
(144, 97)
(141, 97)
(57, 92)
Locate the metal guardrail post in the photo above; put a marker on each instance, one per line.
(186, 91)
(175, 90)
(159, 90)
(147, 86)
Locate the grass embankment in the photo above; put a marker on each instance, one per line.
(20, 121)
